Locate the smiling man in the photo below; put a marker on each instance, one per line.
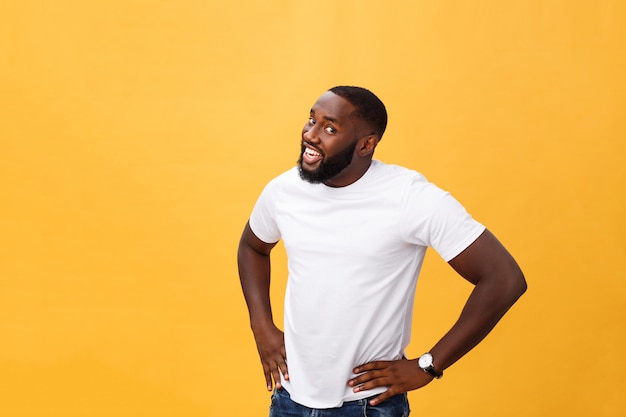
(356, 231)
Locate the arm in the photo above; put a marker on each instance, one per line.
(498, 283)
(253, 258)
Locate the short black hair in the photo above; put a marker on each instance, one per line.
(369, 107)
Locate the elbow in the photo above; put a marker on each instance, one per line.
(517, 285)
(523, 285)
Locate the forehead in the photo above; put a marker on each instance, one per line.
(332, 106)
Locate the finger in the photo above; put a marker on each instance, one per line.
(283, 369)
(268, 378)
(283, 365)
(363, 378)
(370, 371)
(370, 366)
(276, 375)
(381, 381)
(382, 397)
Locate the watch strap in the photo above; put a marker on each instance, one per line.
(433, 372)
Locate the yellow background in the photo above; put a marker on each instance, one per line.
(136, 135)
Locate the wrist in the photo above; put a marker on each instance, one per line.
(426, 363)
(261, 326)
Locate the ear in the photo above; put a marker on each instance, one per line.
(367, 145)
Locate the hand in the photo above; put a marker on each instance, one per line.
(270, 342)
(399, 376)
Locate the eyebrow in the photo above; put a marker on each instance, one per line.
(329, 118)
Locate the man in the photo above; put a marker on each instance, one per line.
(356, 231)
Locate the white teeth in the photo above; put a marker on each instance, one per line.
(312, 152)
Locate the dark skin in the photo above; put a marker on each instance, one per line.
(497, 279)
(254, 269)
(498, 283)
(330, 128)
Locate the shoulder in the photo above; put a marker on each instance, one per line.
(392, 170)
(397, 176)
(415, 191)
(287, 178)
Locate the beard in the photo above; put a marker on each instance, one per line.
(328, 167)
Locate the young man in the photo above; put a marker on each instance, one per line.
(356, 231)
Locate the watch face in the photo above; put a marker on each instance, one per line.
(425, 360)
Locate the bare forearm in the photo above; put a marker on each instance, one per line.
(254, 275)
(498, 281)
(485, 307)
(253, 258)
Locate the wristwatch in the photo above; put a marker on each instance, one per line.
(425, 362)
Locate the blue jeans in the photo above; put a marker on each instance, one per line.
(283, 406)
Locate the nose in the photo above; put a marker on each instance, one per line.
(309, 134)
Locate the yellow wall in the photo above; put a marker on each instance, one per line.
(136, 135)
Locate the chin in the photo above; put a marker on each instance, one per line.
(308, 175)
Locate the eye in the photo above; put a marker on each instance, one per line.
(311, 121)
(330, 130)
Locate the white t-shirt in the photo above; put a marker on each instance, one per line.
(354, 254)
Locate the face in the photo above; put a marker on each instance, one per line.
(329, 139)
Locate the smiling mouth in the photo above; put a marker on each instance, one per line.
(310, 155)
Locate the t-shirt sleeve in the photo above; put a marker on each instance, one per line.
(435, 218)
(263, 218)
